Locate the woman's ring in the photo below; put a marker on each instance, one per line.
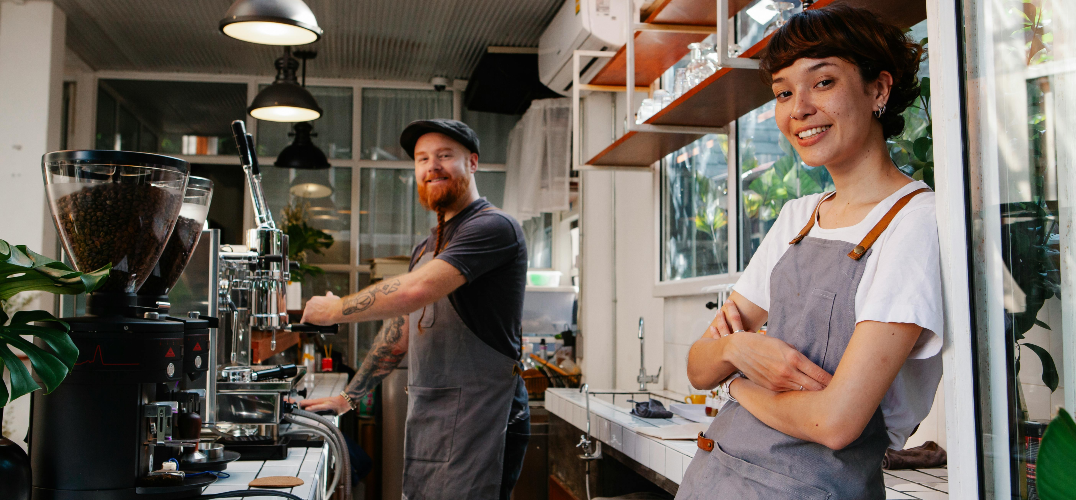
(801, 387)
(739, 331)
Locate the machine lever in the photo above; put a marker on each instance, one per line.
(311, 328)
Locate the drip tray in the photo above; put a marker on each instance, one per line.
(257, 447)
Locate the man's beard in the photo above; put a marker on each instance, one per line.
(439, 198)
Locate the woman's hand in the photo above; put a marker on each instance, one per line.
(770, 363)
(336, 403)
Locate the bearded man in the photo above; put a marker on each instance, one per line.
(456, 316)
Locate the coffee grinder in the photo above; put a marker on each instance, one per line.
(104, 433)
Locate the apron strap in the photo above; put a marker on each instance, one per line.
(810, 223)
(874, 233)
(705, 443)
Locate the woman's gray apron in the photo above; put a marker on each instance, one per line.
(812, 299)
(460, 392)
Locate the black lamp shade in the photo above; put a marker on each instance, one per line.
(302, 153)
(285, 102)
(271, 22)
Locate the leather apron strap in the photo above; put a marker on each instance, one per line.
(872, 235)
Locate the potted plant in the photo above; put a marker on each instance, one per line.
(22, 270)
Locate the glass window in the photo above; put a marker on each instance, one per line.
(328, 210)
(332, 131)
(189, 118)
(391, 219)
(492, 130)
(538, 231)
(771, 174)
(491, 186)
(694, 210)
(385, 113)
(1021, 86)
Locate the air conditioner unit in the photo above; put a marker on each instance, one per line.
(579, 25)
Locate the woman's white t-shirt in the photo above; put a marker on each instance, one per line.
(901, 284)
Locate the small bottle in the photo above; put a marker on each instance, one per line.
(543, 351)
(711, 404)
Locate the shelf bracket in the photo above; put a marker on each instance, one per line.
(723, 35)
(577, 153)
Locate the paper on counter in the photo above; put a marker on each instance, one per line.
(683, 431)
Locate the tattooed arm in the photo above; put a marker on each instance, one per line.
(390, 298)
(388, 349)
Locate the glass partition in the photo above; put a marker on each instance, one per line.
(1021, 84)
(694, 210)
(385, 113)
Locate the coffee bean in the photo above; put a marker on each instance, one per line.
(177, 253)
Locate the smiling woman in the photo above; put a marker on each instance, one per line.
(849, 364)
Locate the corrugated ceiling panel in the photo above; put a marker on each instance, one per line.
(411, 40)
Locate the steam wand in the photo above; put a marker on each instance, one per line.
(249, 159)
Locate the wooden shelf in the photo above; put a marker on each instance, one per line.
(721, 98)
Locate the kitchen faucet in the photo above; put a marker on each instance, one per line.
(643, 378)
(584, 440)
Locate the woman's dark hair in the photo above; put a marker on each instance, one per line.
(859, 37)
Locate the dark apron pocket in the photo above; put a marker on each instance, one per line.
(739, 479)
(431, 423)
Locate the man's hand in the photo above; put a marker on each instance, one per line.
(322, 310)
(336, 403)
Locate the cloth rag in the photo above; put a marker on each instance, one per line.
(926, 456)
(650, 409)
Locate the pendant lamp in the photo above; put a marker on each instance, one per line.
(285, 100)
(311, 183)
(271, 22)
(302, 153)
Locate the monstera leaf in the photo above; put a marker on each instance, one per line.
(23, 270)
(1057, 456)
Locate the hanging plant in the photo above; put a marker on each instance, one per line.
(23, 270)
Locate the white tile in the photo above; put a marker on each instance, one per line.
(301, 452)
(940, 486)
(616, 436)
(244, 466)
(942, 473)
(657, 457)
(931, 495)
(279, 470)
(237, 478)
(579, 417)
(895, 495)
(629, 444)
(910, 487)
(218, 488)
(912, 476)
(303, 491)
(603, 429)
(674, 466)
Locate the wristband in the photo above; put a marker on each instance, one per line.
(350, 402)
(724, 394)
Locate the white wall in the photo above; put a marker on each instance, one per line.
(610, 361)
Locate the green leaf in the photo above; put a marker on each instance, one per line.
(3, 387)
(22, 269)
(1044, 325)
(924, 86)
(21, 381)
(922, 147)
(1049, 369)
(1054, 479)
(48, 367)
(58, 340)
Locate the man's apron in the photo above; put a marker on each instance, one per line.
(460, 393)
(812, 297)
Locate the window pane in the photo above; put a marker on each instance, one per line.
(538, 231)
(330, 213)
(190, 118)
(694, 212)
(771, 174)
(391, 220)
(385, 113)
(1020, 164)
(339, 283)
(491, 186)
(492, 130)
(332, 131)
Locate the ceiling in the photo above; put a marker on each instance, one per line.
(403, 40)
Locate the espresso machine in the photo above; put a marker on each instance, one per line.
(120, 413)
(248, 401)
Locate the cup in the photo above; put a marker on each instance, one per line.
(695, 399)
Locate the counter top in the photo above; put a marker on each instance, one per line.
(615, 427)
(309, 464)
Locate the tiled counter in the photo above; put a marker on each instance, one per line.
(613, 426)
(309, 464)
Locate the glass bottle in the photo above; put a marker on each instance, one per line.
(694, 66)
(680, 83)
